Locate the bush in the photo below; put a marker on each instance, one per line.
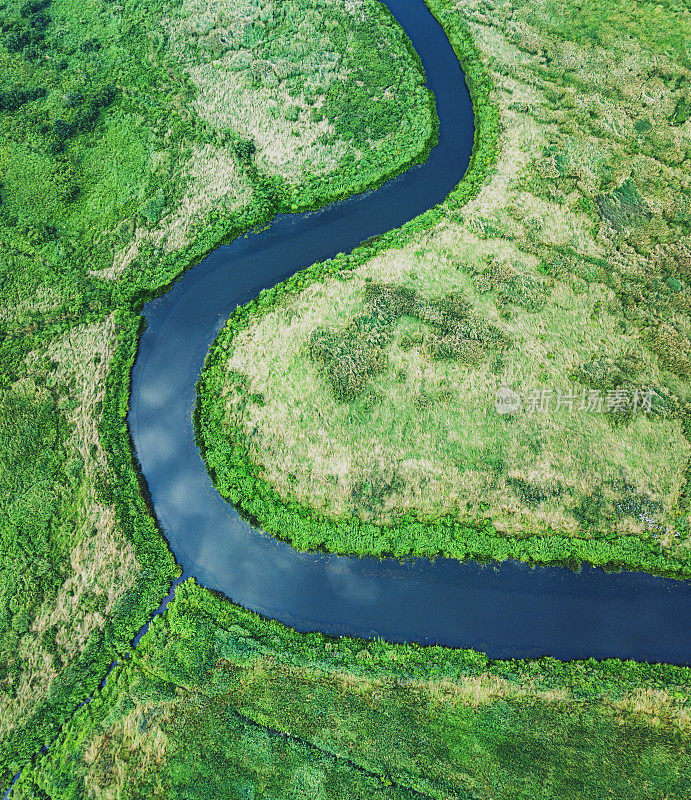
(32, 6)
(13, 99)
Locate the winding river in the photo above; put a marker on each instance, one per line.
(508, 610)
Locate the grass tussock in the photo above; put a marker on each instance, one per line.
(352, 355)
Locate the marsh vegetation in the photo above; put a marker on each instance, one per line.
(129, 147)
(134, 137)
(568, 276)
(217, 702)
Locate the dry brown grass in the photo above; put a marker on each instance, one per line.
(83, 356)
(135, 746)
(214, 181)
(328, 446)
(229, 97)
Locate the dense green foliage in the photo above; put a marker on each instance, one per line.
(103, 152)
(570, 162)
(218, 702)
(34, 483)
(101, 146)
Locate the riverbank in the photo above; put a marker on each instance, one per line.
(532, 287)
(119, 171)
(217, 701)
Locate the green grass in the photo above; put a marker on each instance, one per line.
(106, 197)
(114, 178)
(217, 702)
(574, 258)
(332, 97)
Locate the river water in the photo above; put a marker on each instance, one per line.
(507, 610)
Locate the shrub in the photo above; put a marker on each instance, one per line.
(32, 6)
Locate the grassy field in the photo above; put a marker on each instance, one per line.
(65, 560)
(217, 702)
(134, 137)
(129, 149)
(369, 399)
(330, 94)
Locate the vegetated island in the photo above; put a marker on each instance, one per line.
(507, 376)
(134, 138)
